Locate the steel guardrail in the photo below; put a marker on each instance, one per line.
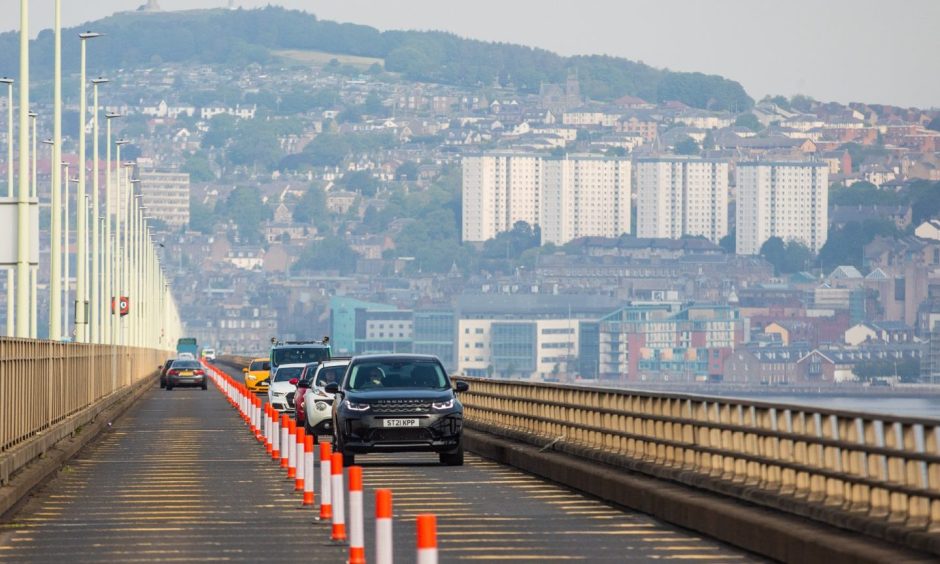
(858, 468)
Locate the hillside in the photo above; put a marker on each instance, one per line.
(239, 37)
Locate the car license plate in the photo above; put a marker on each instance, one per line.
(399, 422)
(186, 373)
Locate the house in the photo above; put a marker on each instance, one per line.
(900, 215)
(929, 229)
(889, 332)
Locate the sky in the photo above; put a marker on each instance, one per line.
(875, 51)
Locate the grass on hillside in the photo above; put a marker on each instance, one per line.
(320, 58)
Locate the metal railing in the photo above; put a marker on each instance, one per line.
(850, 469)
(43, 383)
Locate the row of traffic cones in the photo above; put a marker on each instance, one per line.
(292, 449)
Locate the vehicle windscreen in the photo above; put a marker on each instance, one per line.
(330, 374)
(259, 365)
(287, 373)
(186, 365)
(397, 374)
(300, 355)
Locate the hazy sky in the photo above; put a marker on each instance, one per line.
(879, 51)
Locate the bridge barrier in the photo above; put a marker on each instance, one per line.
(49, 390)
(875, 474)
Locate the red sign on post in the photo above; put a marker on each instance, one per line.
(125, 306)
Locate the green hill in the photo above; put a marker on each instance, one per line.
(239, 37)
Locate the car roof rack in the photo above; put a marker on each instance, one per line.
(323, 341)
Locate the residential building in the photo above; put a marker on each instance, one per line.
(678, 196)
(584, 196)
(499, 189)
(166, 196)
(668, 341)
(781, 199)
(570, 197)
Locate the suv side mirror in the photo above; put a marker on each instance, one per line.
(461, 387)
(293, 381)
(331, 388)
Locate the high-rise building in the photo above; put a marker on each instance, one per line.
(567, 197)
(166, 196)
(499, 189)
(583, 197)
(788, 200)
(679, 196)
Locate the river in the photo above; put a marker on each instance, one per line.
(900, 406)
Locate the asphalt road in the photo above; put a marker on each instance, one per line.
(180, 478)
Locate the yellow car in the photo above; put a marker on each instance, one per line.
(256, 374)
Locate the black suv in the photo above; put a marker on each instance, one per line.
(397, 403)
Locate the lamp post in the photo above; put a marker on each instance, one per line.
(22, 207)
(97, 285)
(55, 280)
(109, 270)
(10, 297)
(33, 272)
(81, 293)
(120, 260)
(66, 262)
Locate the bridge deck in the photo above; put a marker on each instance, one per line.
(180, 478)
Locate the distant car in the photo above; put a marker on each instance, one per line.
(186, 373)
(163, 370)
(318, 405)
(283, 385)
(208, 355)
(305, 381)
(185, 356)
(397, 403)
(256, 374)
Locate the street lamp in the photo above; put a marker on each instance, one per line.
(33, 272)
(120, 256)
(22, 204)
(97, 286)
(55, 281)
(81, 316)
(10, 296)
(109, 270)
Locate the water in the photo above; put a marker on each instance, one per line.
(899, 406)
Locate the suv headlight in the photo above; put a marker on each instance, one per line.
(442, 405)
(356, 406)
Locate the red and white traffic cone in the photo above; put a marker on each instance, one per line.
(285, 435)
(291, 449)
(259, 416)
(275, 437)
(308, 470)
(383, 527)
(427, 539)
(299, 459)
(326, 497)
(336, 487)
(357, 541)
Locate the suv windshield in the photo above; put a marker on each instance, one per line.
(330, 374)
(259, 365)
(300, 355)
(288, 372)
(397, 374)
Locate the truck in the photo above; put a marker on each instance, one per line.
(187, 345)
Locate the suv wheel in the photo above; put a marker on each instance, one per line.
(169, 386)
(348, 458)
(162, 383)
(453, 458)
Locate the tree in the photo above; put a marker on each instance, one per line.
(361, 181)
(311, 209)
(222, 129)
(687, 146)
(774, 251)
(749, 121)
(925, 201)
(202, 218)
(407, 171)
(255, 145)
(845, 245)
(934, 124)
(245, 207)
(729, 242)
(511, 244)
(330, 253)
(198, 168)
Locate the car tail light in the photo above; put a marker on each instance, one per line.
(199, 372)
(173, 372)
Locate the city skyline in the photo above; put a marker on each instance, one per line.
(819, 56)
